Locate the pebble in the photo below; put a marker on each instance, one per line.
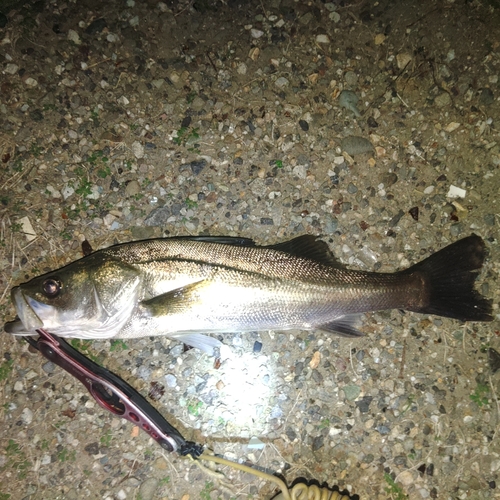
(27, 416)
(132, 188)
(322, 39)
(74, 37)
(171, 380)
(351, 392)
(349, 101)
(48, 367)
(486, 97)
(138, 149)
(282, 82)
(442, 100)
(11, 68)
(354, 145)
(148, 488)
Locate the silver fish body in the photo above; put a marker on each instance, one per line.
(183, 287)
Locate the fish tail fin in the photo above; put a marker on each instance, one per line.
(448, 278)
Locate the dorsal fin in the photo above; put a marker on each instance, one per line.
(223, 240)
(309, 247)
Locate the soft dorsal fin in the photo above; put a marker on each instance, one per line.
(309, 247)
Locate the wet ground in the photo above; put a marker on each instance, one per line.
(371, 124)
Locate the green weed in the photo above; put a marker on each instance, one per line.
(5, 369)
(185, 136)
(194, 408)
(66, 456)
(205, 492)
(190, 203)
(394, 489)
(84, 347)
(118, 345)
(16, 459)
(479, 395)
(106, 438)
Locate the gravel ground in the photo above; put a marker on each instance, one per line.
(371, 124)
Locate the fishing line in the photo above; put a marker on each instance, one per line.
(300, 491)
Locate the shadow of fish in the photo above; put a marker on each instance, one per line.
(187, 287)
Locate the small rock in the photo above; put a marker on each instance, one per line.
(442, 100)
(364, 404)
(486, 98)
(456, 192)
(138, 149)
(256, 33)
(318, 442)
(354, 145)
(198, 104)
(31, 82)
(322, 39)
(27, 416)
(406, 478)
(48, 367)
(132, 188)
(351, 392)
(351, 78)
(74, 37)
(281, 82)
(171, 380)
(403, 59)
(241, 69)
(148, 488)
(389, 178)
(96, 26)
(452, 126)
(304, 125)
(158, 217)
(11, 69)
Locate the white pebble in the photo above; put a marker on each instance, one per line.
(11, 69)
(27, 416)
(138, 149)
(31, 82)
(428, 189)
(456, 192)
(74, 37)
(256, 33)
(322, 39)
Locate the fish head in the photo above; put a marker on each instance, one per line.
(89, 298)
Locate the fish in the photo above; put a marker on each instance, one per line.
(192, 288)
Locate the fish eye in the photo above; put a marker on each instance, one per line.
(51, 287)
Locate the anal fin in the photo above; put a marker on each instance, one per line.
(343, 326)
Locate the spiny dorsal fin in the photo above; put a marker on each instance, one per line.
(223, 240)
(309, 247)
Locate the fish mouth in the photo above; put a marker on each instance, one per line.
(27, 320)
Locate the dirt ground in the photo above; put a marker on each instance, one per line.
(371, 124)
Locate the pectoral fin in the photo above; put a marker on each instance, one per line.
(174, 301)
(343, 326)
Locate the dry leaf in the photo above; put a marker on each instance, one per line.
(69, 413)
